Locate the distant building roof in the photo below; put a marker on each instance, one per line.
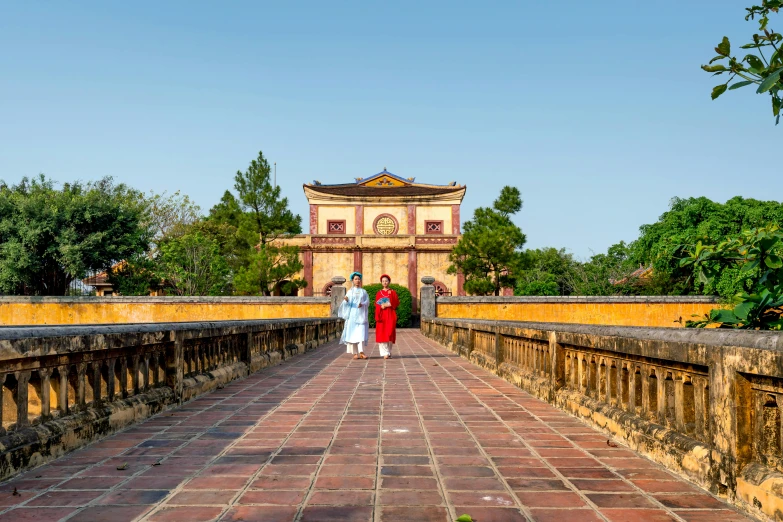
(385, 183)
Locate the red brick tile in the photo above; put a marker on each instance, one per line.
(422, 514)
(701, 515)
(560, 515)
(422, 483)
(345, 482)
(491, 514)
(473, 484)
(191, 514)
(636, 515)
(410, 498)
(352, 497)
(337, 514)
(109, 513)
(41, 514)
(697, 501)
(201, 496)
(472, 498)
(547, 499)
(278, 497)
(620, 500)
(64, 498)
(260, 514)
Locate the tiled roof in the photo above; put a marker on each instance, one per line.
(352, 189)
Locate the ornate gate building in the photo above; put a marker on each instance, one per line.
(383, 224)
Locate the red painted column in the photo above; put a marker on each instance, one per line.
(308, 271)
(357, 261)
(313, 219)
(455, 224)
(460, 283)
(413, 279)
(412, 220)
(359, 220)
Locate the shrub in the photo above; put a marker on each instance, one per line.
(403, 310)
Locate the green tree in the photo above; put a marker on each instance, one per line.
(603, 274)
(544, 272)
(50, 237)
(266, 211)
(757, 254)
(489, 251)
(755, 68)
(254, 221)
(171, 214)
(693, 220)
(191, 264)
(270, 268)
(137, 275)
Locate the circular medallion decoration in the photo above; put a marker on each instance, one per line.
(385, 225)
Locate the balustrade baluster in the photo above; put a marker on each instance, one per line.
(44, 375)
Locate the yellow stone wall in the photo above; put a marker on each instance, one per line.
(435, 264)
(327, 265)
(395, 264)
(435, 213)
(334, 213)
(400, 213)
(668, 315)
(115, 310)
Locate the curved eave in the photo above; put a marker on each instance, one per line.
(314, 196)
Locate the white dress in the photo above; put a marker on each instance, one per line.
(356, 328)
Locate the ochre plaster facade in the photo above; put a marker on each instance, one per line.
(559, 310)
(382, 224)
(22, 311)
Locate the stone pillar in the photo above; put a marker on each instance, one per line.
(357, 260)
(411, 220)
(338, 293)
(175, 364)
(307, 261)
(313, 219)
(428, 305)
(455, 224)
(412, 278)
(359, 230)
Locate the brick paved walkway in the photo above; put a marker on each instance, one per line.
(424, 436)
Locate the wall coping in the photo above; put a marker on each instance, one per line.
(643, 299)
(10, 333)
(162, 300)
(765, 340)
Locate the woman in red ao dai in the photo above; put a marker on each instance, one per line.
(386, 317)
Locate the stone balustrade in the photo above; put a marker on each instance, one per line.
(65, 386)
(706, 404)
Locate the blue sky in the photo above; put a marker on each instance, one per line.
(597, 111)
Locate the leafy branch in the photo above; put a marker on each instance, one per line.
(753, 69)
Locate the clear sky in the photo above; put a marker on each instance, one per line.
(597, 110)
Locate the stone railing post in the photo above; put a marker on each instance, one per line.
(175, 364)
(428, 305)
(338, 293)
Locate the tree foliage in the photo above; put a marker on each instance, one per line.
(268, 269)
(755, 68)
(545, 271)
(757, 255)
(191, 264)
(50, 237)
(489, 253)
(252, 223)
(692, 220)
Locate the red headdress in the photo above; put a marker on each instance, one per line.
(386, 276)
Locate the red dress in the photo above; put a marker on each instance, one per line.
(386, 318)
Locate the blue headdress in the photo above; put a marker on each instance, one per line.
(355, 274)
